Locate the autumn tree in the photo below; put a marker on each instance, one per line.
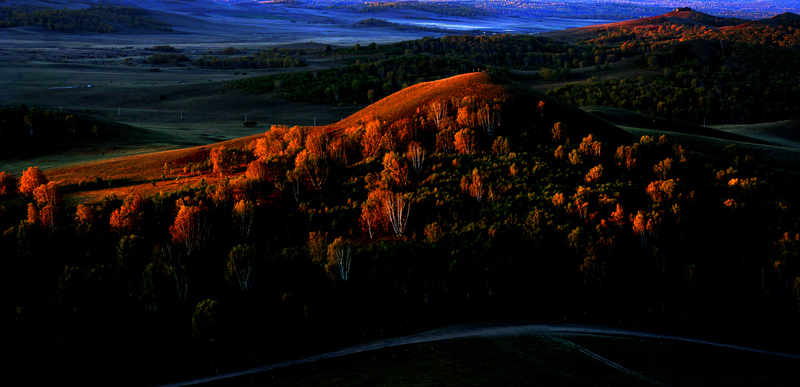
(397, 209)
(225, 159)
(663, 168)
(444, 140)
(293, 180)
(338, 149)
(594, 174)
(8, 183)
(395, 170)
(33, 214)
(339, 258)
(474, 185)
(317, 246)
(295, 138)
(416, 153)
(317, 141)
(437, 112)
(465, 141)
(49, 216)
(314, 167)
(558, 199)
(244, 212)
(501, 146)
(617, 217)
(575, 157)
(639, 225)
(626, 156)
(257, 170)
(373, 139)
(663, 190)
(191, 228)
(241, 266)
(486, 116)
(46, 194)
(559, 131)
(31, 179)
(129, 217)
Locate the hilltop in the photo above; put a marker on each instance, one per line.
(520, 100)
(685, 17)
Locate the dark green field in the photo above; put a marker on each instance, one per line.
(538, 360)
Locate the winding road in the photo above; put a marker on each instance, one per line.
(555, 332)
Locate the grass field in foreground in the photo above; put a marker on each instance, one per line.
(533, 360)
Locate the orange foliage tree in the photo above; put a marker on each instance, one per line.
(465, 141)
(129, 217)
(32, 178)
(257, 170)
(618, 217)
(501, 146)
(474, 185)
(416, 153)
(46, 194)
(191, 228)
(338, 149)
(225, 159)
(33, 214)
(662, 168)
(444, 140)
(626, 156)
(395, 170)
(317, 142)
(559, 131)
(373, 139)
(437, 112)
(313, 167)
(594, 174)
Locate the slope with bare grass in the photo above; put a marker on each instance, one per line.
(522, 100)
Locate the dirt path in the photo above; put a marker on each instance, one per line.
(556, 332)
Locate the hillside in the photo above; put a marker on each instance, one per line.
(681, 17)
(519, 99)
(142, 174)
(786, 19)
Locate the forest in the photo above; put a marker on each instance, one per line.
(99, 19)
(476, 205)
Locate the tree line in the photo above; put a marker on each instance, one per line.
(99, 19)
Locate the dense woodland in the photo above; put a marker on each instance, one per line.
(470, 207)
(25, 130)
(500, 205)
(100, 19)
(360, 83)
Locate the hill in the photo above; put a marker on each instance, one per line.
(146, 173)
(520, 100)
(787, 19)
(680, 16)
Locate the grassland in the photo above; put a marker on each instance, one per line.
(537, 359)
